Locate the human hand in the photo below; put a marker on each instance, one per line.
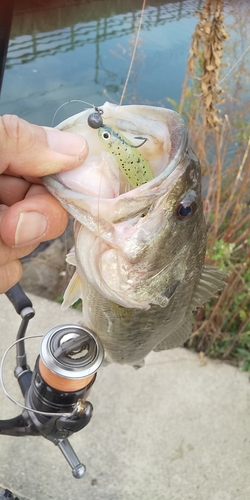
(28, 213)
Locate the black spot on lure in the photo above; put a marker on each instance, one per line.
(130, 161)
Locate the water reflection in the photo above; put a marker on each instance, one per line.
(62, 50)
(32, 40)
(82, 50)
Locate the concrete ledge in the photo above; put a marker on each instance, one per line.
(176, 429)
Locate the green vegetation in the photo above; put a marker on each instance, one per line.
(77, 305)
(222, 327)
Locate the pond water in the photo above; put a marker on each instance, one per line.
(74, 49)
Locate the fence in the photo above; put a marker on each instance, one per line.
(38, 42)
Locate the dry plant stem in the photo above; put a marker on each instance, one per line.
(209, 201)
(223, 299)
(224, 139)
(183, 94)
(238, 200)
(244, 159)
(231, 230)
(227, 298)
(218, 184)
(226, 199)
(197, 331)
(244, 236)
(244, 182)
(237, 336)
(244, 303)
(241, 287)
(213, 34)
(207, 41)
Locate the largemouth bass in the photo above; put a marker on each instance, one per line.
(139, 252)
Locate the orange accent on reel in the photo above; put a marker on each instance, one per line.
(61, 383)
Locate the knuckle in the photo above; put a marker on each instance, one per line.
(10, 125)
(16, 134)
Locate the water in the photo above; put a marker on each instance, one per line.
(83, 50)
(75, 49)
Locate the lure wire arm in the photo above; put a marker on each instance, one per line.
(144, 139)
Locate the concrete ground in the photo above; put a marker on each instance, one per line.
(177, 429)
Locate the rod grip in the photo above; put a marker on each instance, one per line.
(18, 298)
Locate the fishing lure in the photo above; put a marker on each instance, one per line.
(130, 161)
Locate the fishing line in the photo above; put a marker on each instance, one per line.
(227, 74)
(202, 96)
(120, 103)
(68, 102)
(134, 51)
(9, 395)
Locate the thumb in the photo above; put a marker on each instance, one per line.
(31, 150)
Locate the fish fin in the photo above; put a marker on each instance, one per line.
(139, 364)
(177, 337)
(71, 258)
(211, 281)
(123, 313)
(73, 292)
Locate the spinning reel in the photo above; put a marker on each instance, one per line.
(55, 393)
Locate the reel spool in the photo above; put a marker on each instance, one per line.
(65, 370)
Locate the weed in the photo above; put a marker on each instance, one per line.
(222, 327)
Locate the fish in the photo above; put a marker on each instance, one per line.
(139, 251)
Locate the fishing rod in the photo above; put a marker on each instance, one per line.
(6, 14)
(55, 392)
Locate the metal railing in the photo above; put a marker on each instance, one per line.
(27, 47)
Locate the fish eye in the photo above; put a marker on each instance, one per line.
(95, 120)
(187, 207)
(106, 135)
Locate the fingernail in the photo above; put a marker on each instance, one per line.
(30, 227)
(65, 142)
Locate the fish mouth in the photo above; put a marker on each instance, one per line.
(99, 182)
(121, 217)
